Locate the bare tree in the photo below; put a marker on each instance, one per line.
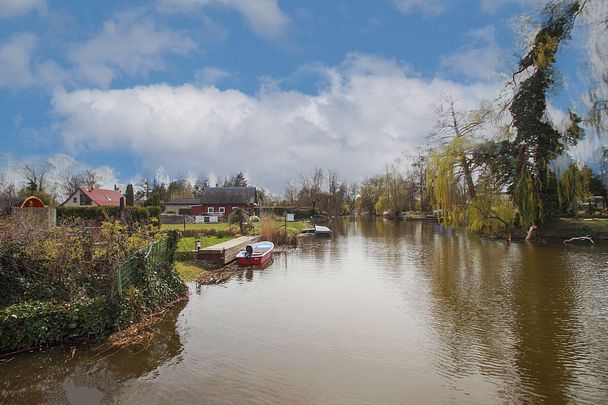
(7, 188)
(457, 128)
(200, 184)
(70, 183)
(34, 174)
(291, 193)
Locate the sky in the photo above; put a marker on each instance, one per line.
(273, 88)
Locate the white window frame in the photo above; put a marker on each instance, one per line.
(210, 210)
(222, 210)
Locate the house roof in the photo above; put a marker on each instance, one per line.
(183, 201)
(103, 197)
(229, 195)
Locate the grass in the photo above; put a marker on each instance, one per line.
(570, 227)
(187, 272)
(188, 244)
(223, 226)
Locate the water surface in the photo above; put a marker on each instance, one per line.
(381, 313)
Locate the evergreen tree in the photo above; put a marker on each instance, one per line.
(536, 141)
(129, 196)
(238, 180)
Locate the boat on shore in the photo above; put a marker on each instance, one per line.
(255, 254)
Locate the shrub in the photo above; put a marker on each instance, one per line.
(72, 283)
(132, 214)
(41, 323)
(64, 263)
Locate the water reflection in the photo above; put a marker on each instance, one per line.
(82, 374)
(383, 312)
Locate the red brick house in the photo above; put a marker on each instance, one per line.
(94, 197)
(221, 201)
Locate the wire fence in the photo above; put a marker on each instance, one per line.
(153, 261)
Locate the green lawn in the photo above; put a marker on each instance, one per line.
(187, 243)
(223, 226)
(296, 226)
(187, 272)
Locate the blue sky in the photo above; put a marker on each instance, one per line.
(271, 87)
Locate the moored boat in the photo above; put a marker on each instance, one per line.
(318, 231)
(255, 254)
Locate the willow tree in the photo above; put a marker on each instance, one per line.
(450, 177)
(445, 184)
(536, 141)
(574, 186)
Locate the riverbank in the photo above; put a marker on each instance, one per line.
(106, 281)
(565, 228)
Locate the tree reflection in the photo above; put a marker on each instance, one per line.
(61, 374)
(505, 313)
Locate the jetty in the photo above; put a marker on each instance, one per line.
(225, 252)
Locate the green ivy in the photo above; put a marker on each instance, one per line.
(42, 323)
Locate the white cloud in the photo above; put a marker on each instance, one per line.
(131, 44)
(19, 68)
(264, 16)
(107, 178)
(427, 7)
(211, 75)
(481, 58)
(371, 110)
(17, 8)
(15, 57)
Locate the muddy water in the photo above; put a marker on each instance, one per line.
(381, 313)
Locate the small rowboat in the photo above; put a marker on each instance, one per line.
(318, 231)
(255, 254)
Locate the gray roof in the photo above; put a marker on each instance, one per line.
(229, 195)
(12, 201)
(183, 201)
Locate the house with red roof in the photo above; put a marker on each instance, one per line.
(94, 197)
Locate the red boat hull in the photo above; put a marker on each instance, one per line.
(254, 261)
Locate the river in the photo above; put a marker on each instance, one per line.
(383, 312)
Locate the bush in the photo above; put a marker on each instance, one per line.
(210, 232)
(299, 213)
(132, 214)
(64, 263)
(51, 293)
(41, 323)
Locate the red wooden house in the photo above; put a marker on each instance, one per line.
(221, 201)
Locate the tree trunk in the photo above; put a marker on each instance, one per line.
(531, 233)
(463, 159)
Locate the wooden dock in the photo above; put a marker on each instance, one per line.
(225, 252)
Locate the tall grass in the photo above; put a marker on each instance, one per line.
(276, 233)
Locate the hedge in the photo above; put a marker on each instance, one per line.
(137, 214)
(41, 323)
(299, 213)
